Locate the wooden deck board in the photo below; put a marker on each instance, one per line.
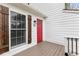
(44, 49)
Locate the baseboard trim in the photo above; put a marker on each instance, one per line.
(60, 43)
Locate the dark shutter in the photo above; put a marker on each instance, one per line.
(29, 29)
(4, 38)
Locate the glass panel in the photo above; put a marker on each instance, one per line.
(18, 33)
(23, 32)
(23, 21)
(13, 33)
(13, 24)
(19, 41)
(74, 5)
(23, 24)
(19, 17)
(13, 19)
(67, 5)
(13, 42)
(18, 25)
(13, 15)
(23, 39)
(23, 18)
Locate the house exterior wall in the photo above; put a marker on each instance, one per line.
(56, 27)
(59, 23)
(34, 31)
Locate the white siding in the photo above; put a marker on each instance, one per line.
(59, 24)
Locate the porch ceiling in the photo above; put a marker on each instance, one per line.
(29, 9)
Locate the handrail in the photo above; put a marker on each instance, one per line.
(76, 47)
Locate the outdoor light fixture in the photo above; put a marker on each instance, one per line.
(34, 22)
(28, 3)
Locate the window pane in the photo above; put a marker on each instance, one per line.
(13, 15)
(23, 39)
(13, 24)
(23, 21)
(23, 24)
(13, 33)
(18, 25)
(19, 17)
(67, 5)
(13, 19)
(13, 42)
(23, 32)
(19, 41)
(23, 18)
(18, 33)
(74, 5)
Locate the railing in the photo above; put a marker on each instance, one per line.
(70, 50)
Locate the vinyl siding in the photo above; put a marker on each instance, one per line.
(59, 24)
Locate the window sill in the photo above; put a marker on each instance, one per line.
(70, 11)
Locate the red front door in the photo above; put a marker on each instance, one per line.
(39, 31)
